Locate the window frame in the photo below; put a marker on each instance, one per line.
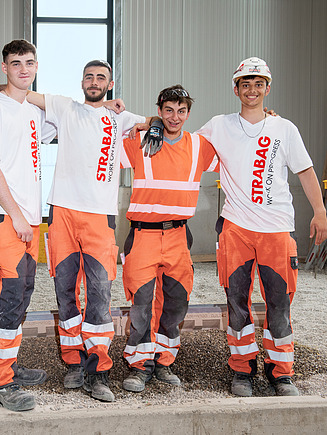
(109, 22)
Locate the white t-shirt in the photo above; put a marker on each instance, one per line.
(86, 176)
(22, 126)
(253, 171)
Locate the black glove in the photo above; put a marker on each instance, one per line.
(153, 138)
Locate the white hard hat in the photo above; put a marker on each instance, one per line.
(253, 66)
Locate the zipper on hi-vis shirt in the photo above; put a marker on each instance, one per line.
(106, 142)
(35, 151)
(258, 170)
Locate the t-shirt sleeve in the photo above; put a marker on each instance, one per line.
(206, 131)
(48, 129)
(209, 156)
(297, 157)
(128, 154)
(55, 106)
(129, 120)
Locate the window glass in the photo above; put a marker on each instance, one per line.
(72, 8)
(63, 50)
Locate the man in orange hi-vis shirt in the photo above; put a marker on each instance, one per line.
(165, 193)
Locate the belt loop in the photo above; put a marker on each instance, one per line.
(139, 226)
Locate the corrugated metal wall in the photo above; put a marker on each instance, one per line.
(199, 43)
(11, 23)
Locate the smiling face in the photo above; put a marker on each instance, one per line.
(96, 82)
(20, 70)
(173, 117)
(251, 91)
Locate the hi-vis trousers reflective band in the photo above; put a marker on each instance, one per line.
(17, 273)
(275, 256)
(83, 243)
(160, 256)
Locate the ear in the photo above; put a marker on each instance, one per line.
(188, 114)
(4, 67)
(267, 90)
(111, 85)
(36, 67)
(159, 112)
(236, 91)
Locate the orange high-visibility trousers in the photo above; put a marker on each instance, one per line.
(240, 251)
(150, 255)
(17, 275)
(84, 243)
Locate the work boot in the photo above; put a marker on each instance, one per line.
(242, 385)
(136, 381)
(74, 377)
(165, 374)
(285, 387)
(28, 377)
(97, 385)
(15, 399)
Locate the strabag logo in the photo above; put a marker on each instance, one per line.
(35, 149)
(106, 141)
(259, 185)
(259, 167)
(254, 70)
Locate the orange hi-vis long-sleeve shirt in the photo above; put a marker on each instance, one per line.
(166, 186)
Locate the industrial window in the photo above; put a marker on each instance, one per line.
(68, 34)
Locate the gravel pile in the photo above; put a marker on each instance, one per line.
(201, 364)
(202, 360)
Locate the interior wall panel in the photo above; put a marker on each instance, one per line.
(199, 43)
(11, 23)
(211, 37)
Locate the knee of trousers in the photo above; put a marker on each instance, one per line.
(238, 296)
(140, 316)
(278, 302)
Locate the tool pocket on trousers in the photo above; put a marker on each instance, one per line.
(129, 242)
(113, 263)
(51, 267)
(293, 265)
(222, 261)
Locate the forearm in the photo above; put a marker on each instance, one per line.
(150, 119)
(312, 190)
(7, 201)
(36, 99)
(318, 224)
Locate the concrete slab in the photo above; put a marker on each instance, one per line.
(256, 416)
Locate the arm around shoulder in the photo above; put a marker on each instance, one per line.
(312, 191)
(36, 99)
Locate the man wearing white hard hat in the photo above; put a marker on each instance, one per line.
(256, 226)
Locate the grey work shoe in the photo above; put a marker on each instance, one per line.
(136, 381)
(74, 377)
(285, 387)
(242, 385)
(165, 374)
(28, 377)
(15, 399)
(97, 385)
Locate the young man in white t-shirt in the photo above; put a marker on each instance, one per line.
(83, 199)
(20, 215)
(256, 226)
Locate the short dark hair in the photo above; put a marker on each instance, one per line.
(18, 46)
(175, 93)
(98, 62)
(250, 77)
